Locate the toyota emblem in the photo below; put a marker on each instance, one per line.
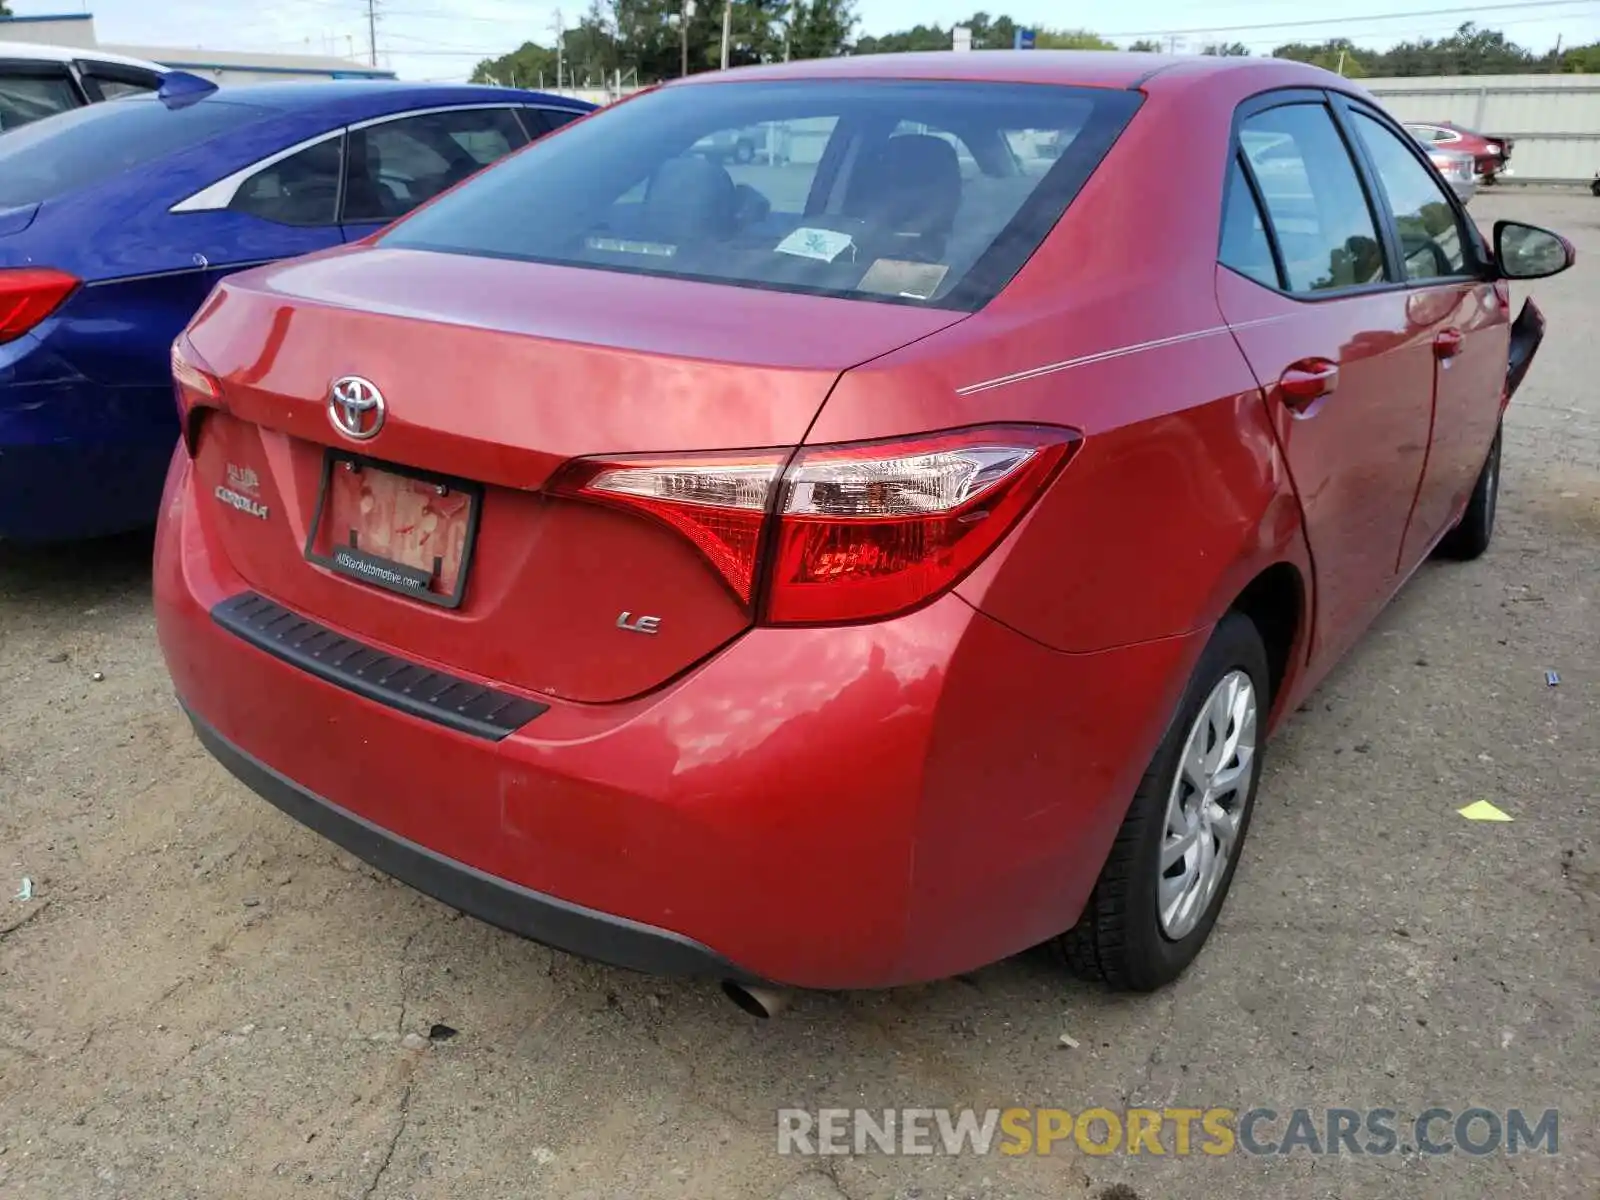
(356, 408)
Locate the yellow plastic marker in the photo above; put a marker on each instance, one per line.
(1482, 810)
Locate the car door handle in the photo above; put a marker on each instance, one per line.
(1303, 383)
(1447, 343)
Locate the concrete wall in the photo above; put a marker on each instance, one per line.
(237, 67)
(70, 30)
(1553, 119)
(223, 66)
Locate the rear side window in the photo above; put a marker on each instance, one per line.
(114, 85)
(931, 193)
(1431, 238)
(75, 149)
(31, 95)
(396, 165)
(1314, 198)
(302, 189)
(548, 120)
(1245, 246)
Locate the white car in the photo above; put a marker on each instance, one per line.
(38, 81)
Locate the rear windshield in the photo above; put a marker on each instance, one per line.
(909, 192)
(73, 149)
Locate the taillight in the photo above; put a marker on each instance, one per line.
(195, 389)
(857, 532)
(871, 530)
(718, 501)
(28, 295)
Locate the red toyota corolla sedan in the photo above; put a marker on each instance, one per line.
(858, 564)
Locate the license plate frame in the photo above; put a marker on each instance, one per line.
(335, 460)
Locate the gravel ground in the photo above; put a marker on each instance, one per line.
(204, 999)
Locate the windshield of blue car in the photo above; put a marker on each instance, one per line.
(911, 192)
(70, 150)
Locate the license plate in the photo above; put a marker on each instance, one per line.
(407, 531)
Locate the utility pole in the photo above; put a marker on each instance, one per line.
(791, 11)
(1341, 62)
(727, 23)
(683, 35)
(372, 32)
(561, 39)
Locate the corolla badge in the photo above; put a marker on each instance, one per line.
(356, 407)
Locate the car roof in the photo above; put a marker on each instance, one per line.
(1084, 68)
(356, 97)
(38, 52)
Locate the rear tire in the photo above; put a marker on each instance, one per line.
(1135, 933)
(1473, 533)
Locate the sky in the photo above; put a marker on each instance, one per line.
(444, 39)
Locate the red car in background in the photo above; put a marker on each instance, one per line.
(854, 569)
(1489, 154)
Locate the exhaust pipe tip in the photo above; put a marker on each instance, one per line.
(765, 1003)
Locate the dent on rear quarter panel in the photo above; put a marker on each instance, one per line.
(1158, 523)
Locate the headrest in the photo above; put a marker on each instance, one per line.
(911, 185)
(690, 197)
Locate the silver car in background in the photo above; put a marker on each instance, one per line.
(1458, 168)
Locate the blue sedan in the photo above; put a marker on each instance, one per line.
(116, 220)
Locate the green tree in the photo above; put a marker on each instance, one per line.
(1581, 60)
(1147, 46)
(4, 11)
(647, 37)
(1071, 39)
(1337, 54)
(821, 28)
(991, 33)
(1468, 51)
(529, 66)
(590, 51)
(919, 37)
(1227, 50)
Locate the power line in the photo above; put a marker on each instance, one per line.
(390, 35)
(414, 15)
(1394, 34)
(1421, 12)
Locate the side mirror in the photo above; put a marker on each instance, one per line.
(1528, 252)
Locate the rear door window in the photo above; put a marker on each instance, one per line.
(90, 144)
(302, 189)
(30, 92)
(398, 164)
(892, 191)
(1245, 247)
(1314, 198)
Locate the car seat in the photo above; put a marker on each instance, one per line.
(909, 190)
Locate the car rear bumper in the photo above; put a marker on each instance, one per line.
(545, 919)
(829, 807)
(78, 460)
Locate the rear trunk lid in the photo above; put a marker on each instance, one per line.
(493, 374)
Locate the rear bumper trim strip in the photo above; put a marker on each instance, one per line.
(457, 704)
